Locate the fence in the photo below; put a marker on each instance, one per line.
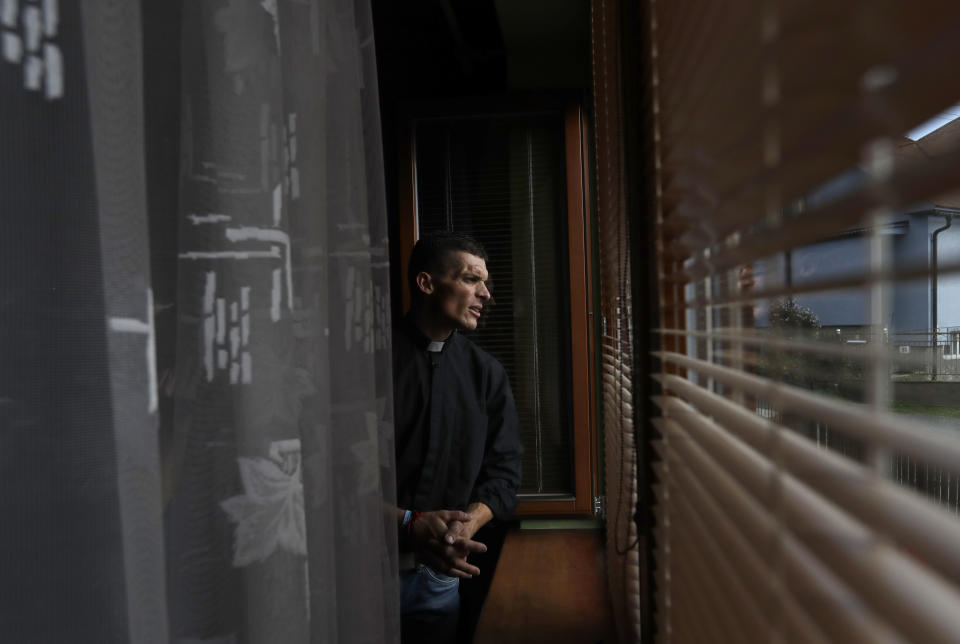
(934, 353)
(940, 485)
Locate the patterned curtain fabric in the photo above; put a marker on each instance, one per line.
(195, 390)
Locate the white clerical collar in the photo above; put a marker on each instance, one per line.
(436, 347)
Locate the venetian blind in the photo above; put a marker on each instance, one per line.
(615, 254)
(797, 212)
(500, 179)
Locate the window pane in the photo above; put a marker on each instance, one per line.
(501, 180)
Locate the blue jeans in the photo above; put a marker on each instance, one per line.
(429, 605)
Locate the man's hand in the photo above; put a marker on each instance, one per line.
(442, 540)
(479, 515)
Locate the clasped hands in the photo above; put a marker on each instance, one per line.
(442, 540)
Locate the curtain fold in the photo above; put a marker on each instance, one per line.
(195, 400)
(113, 61)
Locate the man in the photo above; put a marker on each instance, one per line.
(458, 447)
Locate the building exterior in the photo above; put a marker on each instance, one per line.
(915, 241)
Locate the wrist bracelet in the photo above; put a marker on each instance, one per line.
(413, 519)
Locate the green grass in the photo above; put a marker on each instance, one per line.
(930, 410)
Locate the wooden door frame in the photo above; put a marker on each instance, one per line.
(582, 331)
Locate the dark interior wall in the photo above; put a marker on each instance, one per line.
(547, 43)
(439, 50)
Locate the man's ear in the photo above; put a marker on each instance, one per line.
(425, 282)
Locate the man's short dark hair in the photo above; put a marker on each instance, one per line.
(433, 253)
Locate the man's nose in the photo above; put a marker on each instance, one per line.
(484, 292)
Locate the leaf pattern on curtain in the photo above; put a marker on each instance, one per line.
(269, 514)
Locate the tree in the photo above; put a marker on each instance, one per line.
(790, 320)
(787, 314)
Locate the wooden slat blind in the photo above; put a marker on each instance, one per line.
(779, 126)
(616, 324)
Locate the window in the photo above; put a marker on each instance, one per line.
(806, 486)
(512, 179)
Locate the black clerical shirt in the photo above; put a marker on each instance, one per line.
(457, 433)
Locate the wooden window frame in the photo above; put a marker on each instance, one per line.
(582, 331)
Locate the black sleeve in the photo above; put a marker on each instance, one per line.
(500, 472)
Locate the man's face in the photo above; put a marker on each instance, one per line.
(461, 293)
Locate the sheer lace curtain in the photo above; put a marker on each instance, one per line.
(195, 390)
